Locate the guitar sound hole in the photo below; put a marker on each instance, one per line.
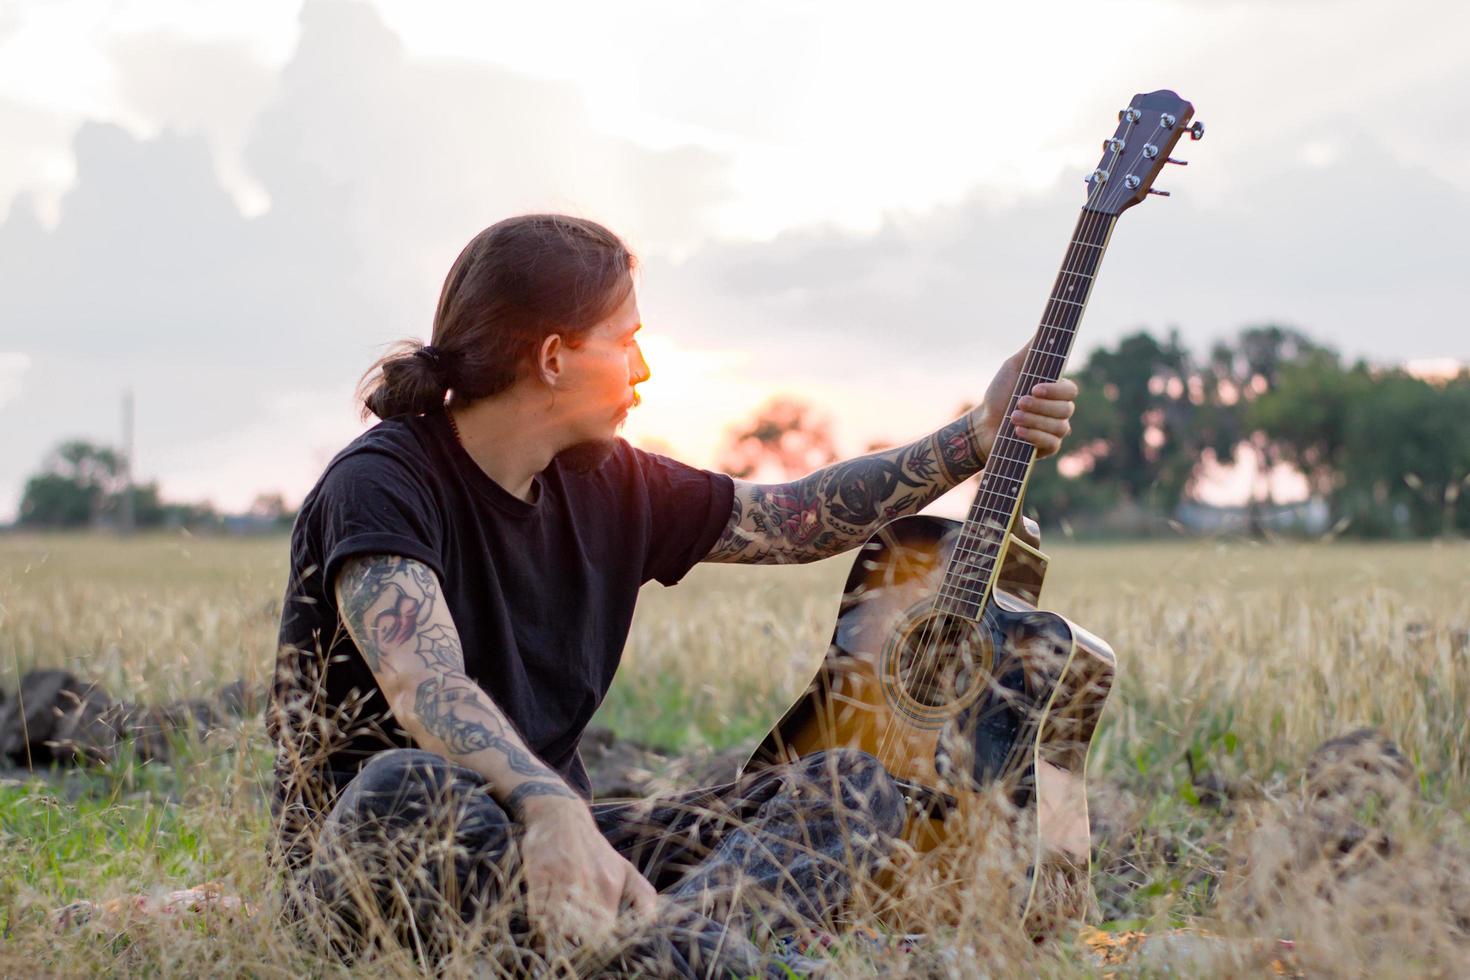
(941, 658)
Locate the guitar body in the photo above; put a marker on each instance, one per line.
(956, 708)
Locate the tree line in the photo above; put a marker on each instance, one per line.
(84, 485)
(1385, 452)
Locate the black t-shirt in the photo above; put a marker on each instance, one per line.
(542, 593)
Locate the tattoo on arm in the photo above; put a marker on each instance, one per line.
(387, 603)
(515, 801)
(839, 506)
(409, 587)
(453, 709)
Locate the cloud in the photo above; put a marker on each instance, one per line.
(241, 329)
(377, 168)
(1360, 251)
(13, 368)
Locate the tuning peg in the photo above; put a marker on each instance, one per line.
(1182, 163)
(1160, 193)
(1196, 131)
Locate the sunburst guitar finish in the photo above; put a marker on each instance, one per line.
(958, 708)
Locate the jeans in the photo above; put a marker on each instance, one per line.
(416, 845)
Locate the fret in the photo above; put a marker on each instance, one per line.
(1005, 514)
(973, 563)
(1017, 467)
(1037, 377)
(1088, 244)
(979, 576)
(1057, 299)
(1016, 452)
(984, 563)
(1003, 458)
(969, 589)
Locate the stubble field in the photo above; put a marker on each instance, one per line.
(1236, 662)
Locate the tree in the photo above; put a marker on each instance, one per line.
(1389, 452)
(1235, 377)
(1305, 414)
(272, 507)
(784, 436)
(1407, 455)
(76, 487)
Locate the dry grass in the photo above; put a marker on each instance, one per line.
(1235, 662)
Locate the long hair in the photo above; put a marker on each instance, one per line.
(515, 284)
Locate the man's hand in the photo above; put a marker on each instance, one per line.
(576, 883)
(1041, 415)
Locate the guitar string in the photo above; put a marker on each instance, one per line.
(1092, 223)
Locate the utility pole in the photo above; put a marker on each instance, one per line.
(125, 517)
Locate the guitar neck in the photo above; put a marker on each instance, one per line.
(975, 563)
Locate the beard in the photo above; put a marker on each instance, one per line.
(588, 456)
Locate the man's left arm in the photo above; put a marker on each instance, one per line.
(839, 506)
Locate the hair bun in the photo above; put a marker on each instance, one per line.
(431, 355)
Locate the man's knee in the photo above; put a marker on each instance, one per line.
(860, 783)
(403, 786)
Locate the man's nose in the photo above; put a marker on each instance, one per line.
(639, 366)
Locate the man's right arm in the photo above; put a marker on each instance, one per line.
(395, 611)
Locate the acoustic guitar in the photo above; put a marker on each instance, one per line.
(941, 665)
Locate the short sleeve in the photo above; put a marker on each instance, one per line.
(688, 509)
(371, 504)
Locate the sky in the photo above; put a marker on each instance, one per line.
(230, 209)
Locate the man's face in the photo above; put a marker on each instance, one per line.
(600, 374)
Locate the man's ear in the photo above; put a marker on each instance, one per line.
(549, 359)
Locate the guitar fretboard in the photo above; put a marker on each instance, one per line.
(971, 574)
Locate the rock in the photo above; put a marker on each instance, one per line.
(87, 730)
(241, 699)
(152, 729)
(205, 715)
(1360, 763)
(623, 768)
(55, 717)
(711, 768)
(1359, 787)
(618, 767)
(28, 720)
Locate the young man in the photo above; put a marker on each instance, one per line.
(463, 579)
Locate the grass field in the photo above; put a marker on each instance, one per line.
(1236, 661)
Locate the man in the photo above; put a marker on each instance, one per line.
(463, 579)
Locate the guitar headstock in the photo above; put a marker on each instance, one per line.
(1138, 150)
